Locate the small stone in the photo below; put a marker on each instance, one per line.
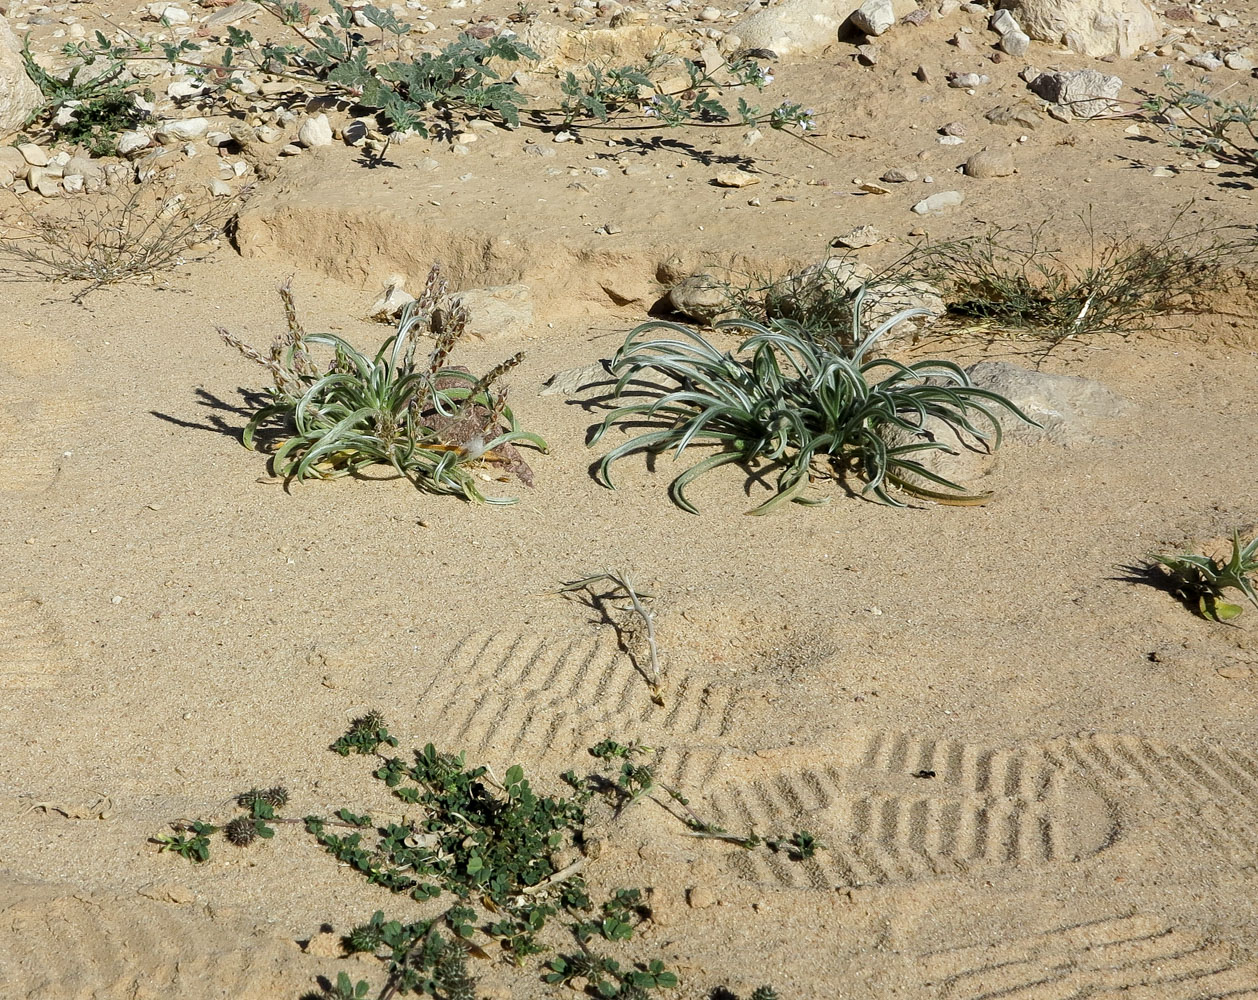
(33, 155)
(954, 128)
(968, 81)
(290, 149)
(858, 238)
(950, 140)
(873, 17)
(1235, 60)
(1235, 672)
(355, 133)
(498, 312)
(392, 300)
(73, 183)
(990, 163)
(867, 54)
(44, 181)
(899, 175)
(131, 143)
(1164, 171)
(171, 12)
(700, 897)
(923, 74)
(710, 14)
(220, 188)
(185, 88)
(316, 131)
(182, 129)
(938, 203)
(1207, 61)
(735, 179)
(269, 134)
(869, 187)
(700, 297)
(1081, 93)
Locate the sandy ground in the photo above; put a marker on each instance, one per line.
(175, 626)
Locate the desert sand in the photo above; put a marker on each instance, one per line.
(1034, 778)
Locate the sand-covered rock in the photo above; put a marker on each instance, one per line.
(18, 94)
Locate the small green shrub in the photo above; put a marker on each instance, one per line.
(1201, 580)
(1016, 279)
(436, 425)
(98, 106)
(805, 403)
(1207, 123)
(433, 93)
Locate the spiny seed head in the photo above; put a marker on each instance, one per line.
(276, 796)
(246, 799)
(368, 723)
(241, 831)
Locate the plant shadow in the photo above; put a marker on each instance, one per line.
(217, 420)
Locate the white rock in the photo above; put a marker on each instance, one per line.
(1094, 28)
(1207, 61)
(33, 154)
(874, 17)
(858, 238)
(392, 300)
(182, 129)
(735, 178)
(502, 311)
(171, 12)
(316, 131)
(220, 188)
(1016, 43)
(184, 88)
(1082, 93)
(793, 27)
(269, 134)
(938, 203)
(968, 81)
(44, 180)
(1235, 60)
(73, 183)
(131, 143)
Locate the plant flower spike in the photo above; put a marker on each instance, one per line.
(801, 402)
(439, 426)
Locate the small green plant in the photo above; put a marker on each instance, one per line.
(347, 989)
(84, 108)
(804, 404)
(1201, 580)
(438, 426)
(435, 93)
(495, 851)
(189, 840)
(364, 736)
(623, 584)
(1204, 122)
(798, 846)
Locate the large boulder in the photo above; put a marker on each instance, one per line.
(1096, 28)
(795, 27)
(18, 94)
